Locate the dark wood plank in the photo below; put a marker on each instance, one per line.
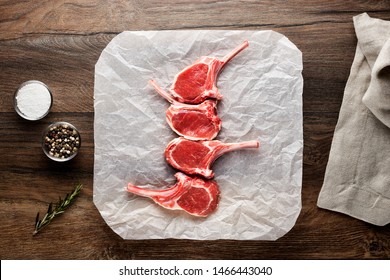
(59, 43)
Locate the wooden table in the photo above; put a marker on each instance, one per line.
(58, 42)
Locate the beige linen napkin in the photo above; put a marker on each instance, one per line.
(357, 177)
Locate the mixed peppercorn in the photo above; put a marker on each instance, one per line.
(62, 141)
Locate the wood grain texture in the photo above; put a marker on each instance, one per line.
(59, 42)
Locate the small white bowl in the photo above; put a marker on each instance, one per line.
(33, 100)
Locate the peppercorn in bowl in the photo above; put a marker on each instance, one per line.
(61, 141)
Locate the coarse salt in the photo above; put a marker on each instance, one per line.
(33, 100)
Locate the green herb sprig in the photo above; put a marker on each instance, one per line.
(59, 209)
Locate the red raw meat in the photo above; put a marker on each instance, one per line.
(194, 122)
(197, 82)
(194, 195)
(196, 157)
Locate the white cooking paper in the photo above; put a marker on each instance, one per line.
(262, 89)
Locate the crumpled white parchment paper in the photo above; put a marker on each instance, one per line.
(262, 89)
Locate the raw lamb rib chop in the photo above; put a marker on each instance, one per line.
(194, 195)
(196, 157)
(194, 122)
(197, 82)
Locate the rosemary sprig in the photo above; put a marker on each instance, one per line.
(59, 209)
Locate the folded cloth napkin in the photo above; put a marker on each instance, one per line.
(357, 177)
